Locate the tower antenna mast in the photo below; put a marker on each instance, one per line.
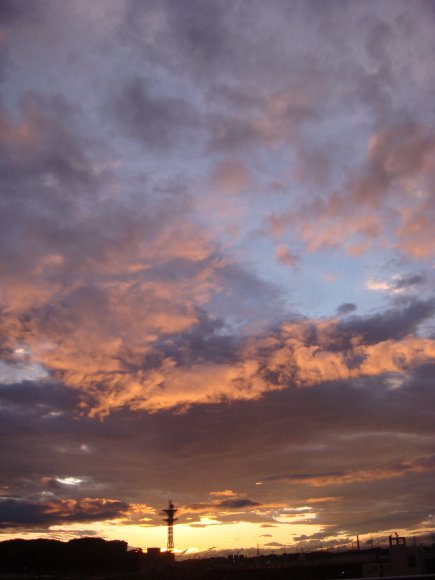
(170, 520)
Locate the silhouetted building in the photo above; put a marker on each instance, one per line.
(155, 559)
(405, 560)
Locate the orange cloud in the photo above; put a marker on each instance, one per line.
(387, 202)
(230, 176)
(286, 257)
(224, 493)
(18, 135)
(106, 358)
(420, 465)
(172, 386)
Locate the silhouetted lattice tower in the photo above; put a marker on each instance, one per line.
(170, 513)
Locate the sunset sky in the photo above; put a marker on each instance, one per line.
(217, 270)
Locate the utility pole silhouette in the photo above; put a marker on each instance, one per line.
(170, 520)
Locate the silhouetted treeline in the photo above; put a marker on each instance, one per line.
(81, 555)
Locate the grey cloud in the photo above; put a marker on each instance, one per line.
(154, 120)
(14, 513)
(304, 476)
(237, 503)
(218, 39)
(206, 340)
(316, 535)
(346, 308)
(396, 322)
(50, 146)
(4, 63)
(201, 30)
(48, 173)
(195, 36)
(227, 133)
(343, 424)
(232, 504)
(410, 281)
(16, 11)
(28, 394)
(274, 544)
(52, 484)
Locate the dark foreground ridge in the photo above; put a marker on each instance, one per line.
(100, 560)
(83, 555)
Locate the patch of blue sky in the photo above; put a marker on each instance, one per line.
(11, 373)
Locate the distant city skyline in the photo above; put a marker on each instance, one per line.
(217, 271)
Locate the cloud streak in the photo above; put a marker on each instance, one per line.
(368, 476)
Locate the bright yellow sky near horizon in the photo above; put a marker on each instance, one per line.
(189, 539)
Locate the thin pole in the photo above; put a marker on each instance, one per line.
(170, 520)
